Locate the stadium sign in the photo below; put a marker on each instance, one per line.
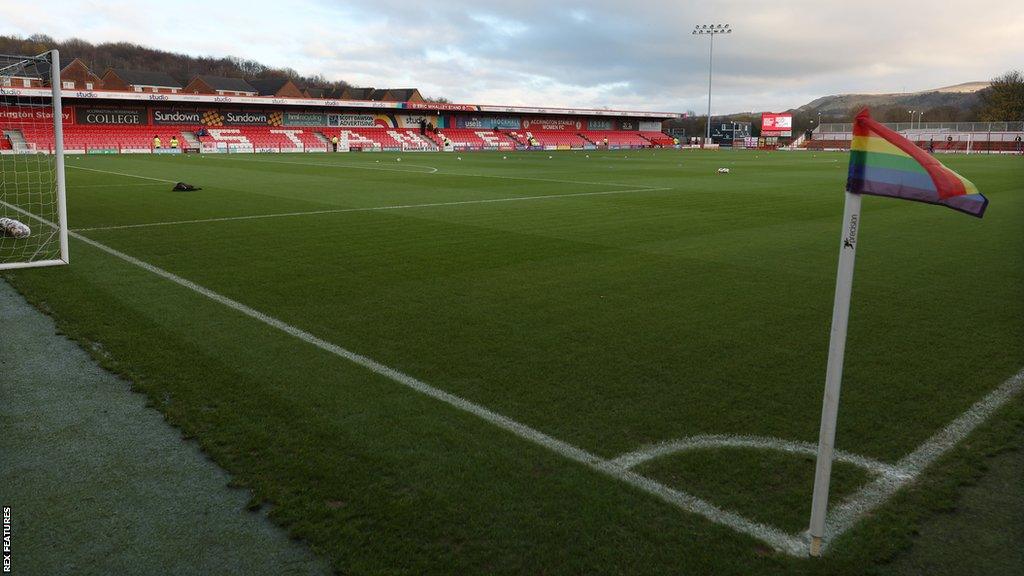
(488, 123)
(773, 124)
(552, 124)
(417, 120)
(246, 119)
(132, 116)
(600, 124)
(212, 117)
(352, 120)
(305, 119)
(18, 114)
(177, 117)
(440, 106)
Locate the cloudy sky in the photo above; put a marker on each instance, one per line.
(633, 54)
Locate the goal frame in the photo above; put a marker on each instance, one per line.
(53, 57)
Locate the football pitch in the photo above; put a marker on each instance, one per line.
(566, 362)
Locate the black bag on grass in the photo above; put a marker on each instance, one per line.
(183, 187)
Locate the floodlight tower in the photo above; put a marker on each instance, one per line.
(710, 30)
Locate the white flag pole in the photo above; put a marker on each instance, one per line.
(834, 373)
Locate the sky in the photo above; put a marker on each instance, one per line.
(621, 54)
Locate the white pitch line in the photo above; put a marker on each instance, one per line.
(533, 179)
(78, 186)
(710, 441)
(772, 536)
(844, 516)
(370, 209)
(119, 173)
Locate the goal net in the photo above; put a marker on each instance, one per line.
(33, 214)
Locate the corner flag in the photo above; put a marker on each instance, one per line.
(882, 163)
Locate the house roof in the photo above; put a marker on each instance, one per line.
(315, 92)
(229, 84)
(144, 78)
(360, 93)
(268, 86)
(402, 94)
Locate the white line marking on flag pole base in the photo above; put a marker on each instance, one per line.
(842, 518)
(847, 513)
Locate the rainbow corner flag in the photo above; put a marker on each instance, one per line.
(883, 163)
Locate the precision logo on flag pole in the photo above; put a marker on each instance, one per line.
(883, 163)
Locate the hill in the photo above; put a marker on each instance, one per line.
(960, 96)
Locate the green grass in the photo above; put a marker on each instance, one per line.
(769, 487)
(608, 321)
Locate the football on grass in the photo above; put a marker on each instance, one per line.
(12, 228)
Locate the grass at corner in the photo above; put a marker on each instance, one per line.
(769, 487)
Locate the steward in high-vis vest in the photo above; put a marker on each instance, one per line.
(334, 143)
(174, 142)
(156, 142)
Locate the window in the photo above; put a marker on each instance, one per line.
(88, 85)
(68, 85)
(138, 88)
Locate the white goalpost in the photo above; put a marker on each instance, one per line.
(33, 207)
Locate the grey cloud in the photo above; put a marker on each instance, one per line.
(637, 54)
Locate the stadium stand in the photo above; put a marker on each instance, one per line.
(556, 138)
(963, 142)
(658, 138)
(380, 138)
(290, 138)
(96, 137)
(467, 139)
(952, 137)
(123, 110)
(618, 138)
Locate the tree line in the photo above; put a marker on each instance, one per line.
(182, 67)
